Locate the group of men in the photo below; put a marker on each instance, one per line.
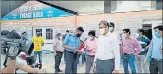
(105, 52)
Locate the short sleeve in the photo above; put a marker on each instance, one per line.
(42, 39)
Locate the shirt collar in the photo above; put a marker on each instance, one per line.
(107, 34)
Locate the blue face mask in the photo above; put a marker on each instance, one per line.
(26, 37)
(156, 34)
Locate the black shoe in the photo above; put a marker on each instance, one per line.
(59, 70)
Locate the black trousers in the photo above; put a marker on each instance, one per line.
(58, 60)
(155, 66)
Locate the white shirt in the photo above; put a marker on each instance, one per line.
(117, 35)
(108, 48)
(58, 44)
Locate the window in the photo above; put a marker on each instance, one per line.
(49, 33)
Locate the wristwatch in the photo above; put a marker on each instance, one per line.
(12, 57)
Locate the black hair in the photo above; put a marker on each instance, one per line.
(111, 24)
(157, 27)
(124, 29)
(127, 30)
(80, 29)
(160, 28)
(67, 31)
(58, 34)
(141, 30)
(24, 33)
(104, 22)
(92, 33)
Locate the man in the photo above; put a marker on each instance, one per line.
(107, 57)
(155, 52)
(71, 44)
(63, 37)
(58, 52)
(129, 48)
(38, 42)
(112, 30)
(144, 41)
(91, 46)
(24, 36)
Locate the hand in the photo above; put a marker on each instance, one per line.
(72, 48)
(13, 52)
(116, 71)
(55, 53)
(94, 67)
(41, 71)
(145, 62)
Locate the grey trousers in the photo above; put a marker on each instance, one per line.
(140, 66)
(71, 62)
(105, 66)
(155, 67)
(89, 63)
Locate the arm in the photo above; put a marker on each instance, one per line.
(10, 66)
(147, 40)
(116, 52)
(42, 41)
(65, 43)
(54, 46)
(149, 53)
(27, 68)
(137, 47)
(121, 47)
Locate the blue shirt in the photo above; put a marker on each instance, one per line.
(144, 39)
(71, 41)
(155, 49)
(63, 37)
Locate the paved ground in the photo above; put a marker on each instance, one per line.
(48, 62)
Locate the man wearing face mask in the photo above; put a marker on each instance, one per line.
(24, 36)
(71, 44)
(107, 57)
(144, 41)
(154, 53)
(58, 51)
(91, 46)
(129, 48)
(112, 30)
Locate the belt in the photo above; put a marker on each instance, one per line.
(127, 54)
(91, 55)
(156, 59)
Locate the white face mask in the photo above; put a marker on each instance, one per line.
(136, 35)
(72, 33)
(60, 37)
(102, 31)
(124, 36)
(111, 29)
(90, 38)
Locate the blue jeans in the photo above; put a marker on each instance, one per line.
(39, 53)
(129, 60)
